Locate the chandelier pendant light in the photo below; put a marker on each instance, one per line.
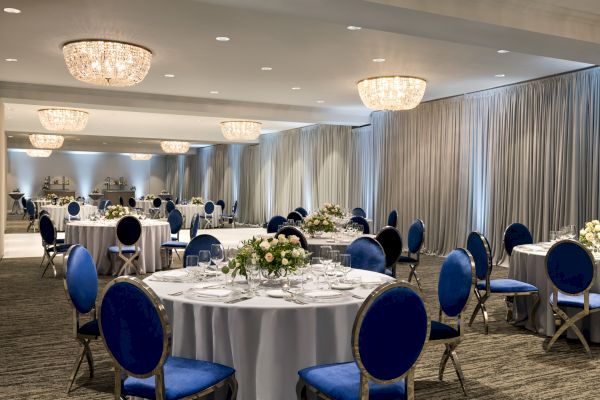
(38, 152)
(49, 142)
(107, 63)
(174, 147)
(63, 119)
(140, 156)
(240, 130)
(392, 92)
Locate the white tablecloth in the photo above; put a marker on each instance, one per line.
(528, 264)
(97, 236)
(267, 340)
(58, 214)
(146, 205)
(188, 211)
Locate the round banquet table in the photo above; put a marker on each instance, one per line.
(58, 214)
(267, 340)
(528, 264)
(188, 211)
(339, 243)
(146, 205)
(97, 236)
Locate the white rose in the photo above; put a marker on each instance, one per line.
(582, 232)
(325, 223)
(295, 253)
(283, 253)
(284, 261)
(281, 236)
(589, 236)
(274, 242)
(316, 222)
(265, 245)
(597, 228)
(283, 240)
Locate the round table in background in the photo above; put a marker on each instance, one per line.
(188, 211)
(58, 214)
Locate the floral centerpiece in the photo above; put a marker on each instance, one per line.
(318, 222)
(149, 197)
(164, 191)
(589, 236)
(333, 210)
(116, 212)
(197, 200)
(16, 190)
(63, 201)
(96, 191)
(276, 256)
(52, 197)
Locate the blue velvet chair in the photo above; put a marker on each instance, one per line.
(393, 218)
(102, 205)
(230, 218)
(359, 212)
(170, 206)
(363, 222)
(107, 203)
(52, 246)
(73, 210)
(366, 253)
(455, 285)
(516, 234)
(121, 201)
(480, 249)
(81, 285)
(275, 222)
(200, 242)
(380, 371)
(416, 238)
(209, 214)
(302, 211)
(571, 269)
(132, 203)
(32, 214)
(292, 230)
(390, 240)
(221, 203)
(129, 233)
(175, 220)
(24, 204)
(194, 225)
(295, 216)
(155, 209)
(135, 329)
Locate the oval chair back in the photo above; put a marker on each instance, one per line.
(200, 242)
(393, 219)
(24, 202)
(295, 215)
(391, 240)
(175, 220)
(302, 211)
(47, 230)
(376, 359)
(234, 208)
(121, 201)
(275, 222)
(170, 206)
(209, 207)
(194, 225)
(107, 204)
(30, 208)
(81, 279)
(73, 208)
(570, 267)
(134, 326)
(359, 212)
(516, 234)
(132, 203)
(366, 253)
(176, 200)
(288, 231)
(44, 212)
(221, 203)
(156, 202)
(101, 205)
(361, 221)
(478, 246)
(129, 230)
(456, 282)
(416, 236)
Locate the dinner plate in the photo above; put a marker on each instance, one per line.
(177, 275)
(277, 293)
(343, 286)
(323, 296)
(220, 294)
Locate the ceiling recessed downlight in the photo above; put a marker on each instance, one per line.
(354, 28)
(266, 68)
(11, 59)
(320, 101)
(296, 88)
(169, 76)
(11, 10)
(379, 60)
(502, 51)
(222, 39)
(214, 92)
(500, 75)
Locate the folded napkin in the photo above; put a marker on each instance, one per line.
(323, 294)
(214, 293)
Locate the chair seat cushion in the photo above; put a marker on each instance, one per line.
(60, 247)
(407, 259)
(60, 241)
(576, 301)
(124, 249)
(175, 244)
(507, 286)
(183, 377)
(441, 331)
(90, 328)
(75, 218)
(342, 382)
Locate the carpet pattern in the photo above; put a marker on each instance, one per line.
(37, 349)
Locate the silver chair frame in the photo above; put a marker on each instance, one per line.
(47, 253)
(32, 221)
(413, 265)
(158, 371)
(128, 261)
(209, 217)
(303, 388)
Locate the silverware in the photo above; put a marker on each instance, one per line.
(293, 297)
(238, 300)
(176, 294)
(358, 297)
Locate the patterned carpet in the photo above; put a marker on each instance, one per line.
(37, 350)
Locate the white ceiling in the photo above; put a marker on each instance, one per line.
(306, 46)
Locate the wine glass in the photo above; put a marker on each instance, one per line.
(217, 254)
(192, 262)
(345, 265)
(203, 260)
(326, 254)
(317, 268)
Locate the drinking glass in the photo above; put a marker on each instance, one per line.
(192, 262)
(203, 260)
(345, 265)
(253, 277)
(326, 254)
(317, 268)
(330, 274)
(553, 236)
(217, 254)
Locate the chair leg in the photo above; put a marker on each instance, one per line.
(569, 323)
(481, 306)
(76, 367)
(90, 359)
(233, 388)
(413, 272)
(509, 301)
(457, 368)
(50, 263)
(301, 390)
(533, 311)
(443, 362)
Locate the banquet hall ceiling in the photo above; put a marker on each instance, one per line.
(452, 44)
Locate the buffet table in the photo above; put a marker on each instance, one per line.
(58, 214)
(97, 236)
(188, 211)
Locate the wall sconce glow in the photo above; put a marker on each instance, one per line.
(63, 119)
(140, 156)
(38, 152)
(50, 142)
(173, 147)
(392, 92)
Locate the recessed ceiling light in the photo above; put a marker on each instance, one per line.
(169, 76)
(296, 88)
(10, 136)
(379, 60)
(139, 142)
(11, 59)
(222, 39)
(266, 68)
(501, 51)
(320, 101)
(214, 92)
(11, 10)
(500, 75)
(354, 28)
(9, 109)
(104, 143)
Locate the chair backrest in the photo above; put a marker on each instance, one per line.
(200, 242)
(81, 279)
(393, 219)
(129, 230)
(416, 236)
(101, 205)
(24, 202)
(516, 234)
(234, 208)
(107, 203)
(121, 201)
(44, 212)
(292, 230)
(391, 240)
(30, 208)
(132, 203)
(175, 220)
(194, 225)
(209, 207)
(295, 215)
(47, 230)
(176, 200)
(456, 281)
(157, 202)
(221, 203)
(302, 211)
(410, 326)
(73, 208)
(366, 253)
(134, 326)
(362, 221)
(359, 212)
(275, 222)
(570, 267)
(478, 246)
(170, 206)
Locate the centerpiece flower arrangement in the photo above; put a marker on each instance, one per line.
(52, 197)
(63, 201)
(149, 197)
(197, 200)
(589, 236)
(116, 212)
(96, 191)
(332, 210)
(276, 256)
(16, 190)
(318, 222)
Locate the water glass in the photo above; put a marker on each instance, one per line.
(345, 265)
(253, 277)
(203, 260)
(217, 254)
(192, 262)
(317, 268)
(326, 254)
(553, 236)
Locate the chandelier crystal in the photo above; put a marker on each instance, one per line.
(63, 119)
(49, 142)
(240, 130)
(38, 152)
(107, 63)
(392, 92)
(140, 156)
(174, 147)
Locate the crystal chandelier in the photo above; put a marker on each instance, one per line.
(140, 156)
(391, 92)
(173, 147)
(107, 63)
(38, 152)
(63, 119)
(50, 142)
(240, 130)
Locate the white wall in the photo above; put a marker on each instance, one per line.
(86, 170)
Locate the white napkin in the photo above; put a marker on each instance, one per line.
(323, 294)
(216, 293)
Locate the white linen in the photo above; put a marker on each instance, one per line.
(58, 214)
(97, 236)
(267, 340)
(188, 211)
(146, 205)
